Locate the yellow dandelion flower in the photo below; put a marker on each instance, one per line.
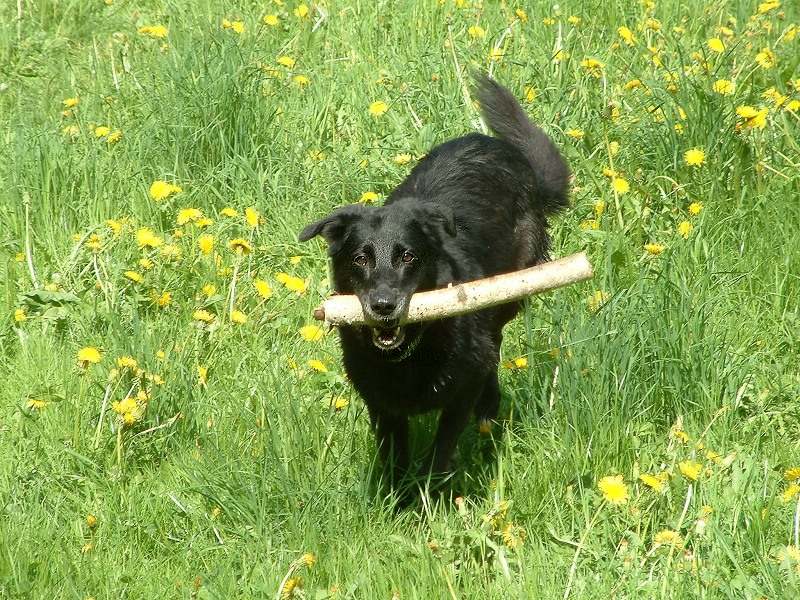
(679, 434)
(695, 208)
(187, 215)
(127, 362)
(766, 58)
(339, 403)
(317, 365)
(596, 301)
(654, 482)
(292, 283)
(667, 537)
(235, 26)
(163, 299)
(301, 12)
(308, 559)
(206, 243)
(145, 238)
(134, 276)
(290, 588)
(694, 157)
(752, 118)
(792, 474)
(20, 315)
(613, 148)
(620, 185)
(263, 288)
(36, 404)
(777, 98)
(574, 20)
(203, 316)
(238, 317)
(654, 249)
(271, 20)
(202, 374)
(766, 7)
(89, 355)
(71, 131)
(209, 290)
(229, 212)
(240, 246)
(575, 134)
(593, 67)
(312, 333)
(530, 93)
(114, 137)
(301, 80)
(561, 55)
(154, 31)
(496, 54)
(369, 197)
(716, 45)
(549, 21)
(161, 190)
(599, 208)
(513, 536)
(690, 469)
(402, 159)
(378, 108)
(476, 32)
(91, 521)
(626, 35)
(101, 131)
(613, 489)
(684, 229)
(114, 226)
(521, 15)
(790, 492)
(633, 84)
(724, 87)
(286, 61)
(251, 216)
(70, 102)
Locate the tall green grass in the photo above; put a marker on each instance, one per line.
(220, 488)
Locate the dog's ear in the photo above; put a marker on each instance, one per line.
(334, 227)
(443, 217)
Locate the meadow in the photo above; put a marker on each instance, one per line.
(174, 424)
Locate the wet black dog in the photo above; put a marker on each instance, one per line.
(475, 206)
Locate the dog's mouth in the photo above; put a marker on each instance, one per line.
(388, 339)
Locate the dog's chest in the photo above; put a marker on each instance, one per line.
(408, 388)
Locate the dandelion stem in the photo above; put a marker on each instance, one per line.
(232, 295)
(103, 408)
(797, 523)
(574, 567)
(686, 503)
(26, 199)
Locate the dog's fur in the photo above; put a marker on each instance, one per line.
(474, 207)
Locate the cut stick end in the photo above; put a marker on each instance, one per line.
(319, 313)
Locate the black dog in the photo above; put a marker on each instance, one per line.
(475, 206)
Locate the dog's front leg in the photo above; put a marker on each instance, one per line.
(391, 435)
(452, 422)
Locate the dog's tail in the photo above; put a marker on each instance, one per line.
(506, 118)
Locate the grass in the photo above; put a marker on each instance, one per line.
(224, 479)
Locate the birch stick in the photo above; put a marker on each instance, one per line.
(470, 296)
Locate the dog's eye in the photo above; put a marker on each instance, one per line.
(408, 257)
(360, 260)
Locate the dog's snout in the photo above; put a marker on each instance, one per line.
(383, 302)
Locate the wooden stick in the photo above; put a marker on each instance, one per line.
(470, 296)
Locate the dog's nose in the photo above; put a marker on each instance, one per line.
(383, 305)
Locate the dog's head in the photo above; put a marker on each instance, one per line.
(384, 255)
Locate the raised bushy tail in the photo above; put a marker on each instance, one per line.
(506, 118)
